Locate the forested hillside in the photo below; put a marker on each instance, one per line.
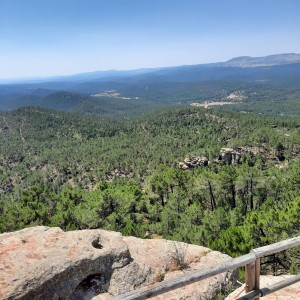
(266, 85)
(78, 172)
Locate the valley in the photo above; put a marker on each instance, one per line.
(149, 149)
(271, 88)
(143, 155)
(79, 172)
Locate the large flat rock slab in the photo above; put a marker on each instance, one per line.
(157, 260)
(47, 263)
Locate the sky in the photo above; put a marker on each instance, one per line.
(59, 37)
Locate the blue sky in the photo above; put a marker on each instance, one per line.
(60, 37)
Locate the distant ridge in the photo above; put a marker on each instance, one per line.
(271, 60)
(117, 75)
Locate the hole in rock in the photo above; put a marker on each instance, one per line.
(90, 287)
(96, 243)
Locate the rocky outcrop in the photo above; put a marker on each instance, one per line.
(234, 155)
(230, 156)
(47, 263)
(193, 162)
(158, 260)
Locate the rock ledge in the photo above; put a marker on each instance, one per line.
(47, 263)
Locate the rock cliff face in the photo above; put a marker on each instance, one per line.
(234, 155)
(47, 263)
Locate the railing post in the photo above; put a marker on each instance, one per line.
(252, 277)
(257, 277)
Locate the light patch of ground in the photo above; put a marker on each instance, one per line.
(207, 104)
(113, 94)
(239, 95)
(71, 183)
(282, 165)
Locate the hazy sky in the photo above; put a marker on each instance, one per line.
(58, 37)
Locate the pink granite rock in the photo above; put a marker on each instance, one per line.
(157, 260)
(47, 263)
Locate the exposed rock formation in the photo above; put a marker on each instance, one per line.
(47, 263)
(193, 162)
(234, 155)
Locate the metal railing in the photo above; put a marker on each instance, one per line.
(251, 261)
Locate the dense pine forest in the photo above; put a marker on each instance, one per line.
(206, 154)
(137, 176)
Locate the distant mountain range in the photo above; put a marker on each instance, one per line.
(111, 75)
(142, 89)
(271, 60)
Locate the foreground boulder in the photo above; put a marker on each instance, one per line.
(47, 263)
